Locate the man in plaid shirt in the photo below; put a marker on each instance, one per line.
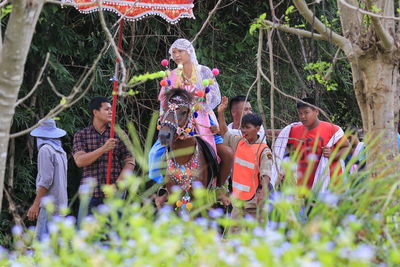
(91, 146)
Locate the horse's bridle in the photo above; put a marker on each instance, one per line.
(172, 108)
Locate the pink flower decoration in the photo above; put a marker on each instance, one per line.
(164, 62)
(215, 71)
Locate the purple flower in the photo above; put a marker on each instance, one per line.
(259, 232)
(17, 230)
(216, 213)
(363, 253)
(197, 184)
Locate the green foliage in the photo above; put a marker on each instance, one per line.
(375, 9)
(288, 11)
(321, 69)
(74, 40)
(259, 22)
(355, 223)
(5, 11)
(326, 21)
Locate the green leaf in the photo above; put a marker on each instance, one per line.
(5, 11)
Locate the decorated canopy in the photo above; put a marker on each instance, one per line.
(170, 10)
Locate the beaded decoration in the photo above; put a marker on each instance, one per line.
(183, 175)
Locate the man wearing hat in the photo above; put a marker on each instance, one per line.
(51, 181)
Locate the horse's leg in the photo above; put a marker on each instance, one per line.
(203, 172)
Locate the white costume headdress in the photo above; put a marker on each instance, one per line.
(186, 45)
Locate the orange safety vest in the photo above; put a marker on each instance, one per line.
(246, 169)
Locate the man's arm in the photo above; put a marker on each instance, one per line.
(223, 128)
(33, 211)
(45, 180)
(343, 150)
(84, 159)
(129, 166)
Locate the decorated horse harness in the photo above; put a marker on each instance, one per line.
(186, 173)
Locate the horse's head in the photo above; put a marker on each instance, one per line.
(175, 116)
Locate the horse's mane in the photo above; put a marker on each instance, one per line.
(178, 92)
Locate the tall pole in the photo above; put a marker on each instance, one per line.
(114, 102)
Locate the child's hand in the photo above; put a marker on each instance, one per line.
(214, 129)
(224, 104)
(224, 198)
(326, 152)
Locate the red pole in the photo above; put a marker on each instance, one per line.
(114, 101)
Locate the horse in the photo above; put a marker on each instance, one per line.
(196, 160)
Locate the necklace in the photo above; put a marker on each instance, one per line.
(183, 175)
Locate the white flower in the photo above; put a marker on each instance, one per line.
(305, 263)
(103, 209)
(350, 218)
(363, 253)
(216, 213)
(3, 252)
(17, 230)
(131, 243)
(259, 232)
(279, 251)
(329, 198)
(46, 200)
(154, 248)
(16, 264)
(87, 185)
(53, 228)
(197, 184)
(273, 236)
(203, 222)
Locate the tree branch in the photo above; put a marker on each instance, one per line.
(383, 35)
(291, 61)
(362, 11)
(330, 70)
(70, 99)
(207, 20)
(13, 209)
(115, 48)
(289, 96)
(328, 33)
(3, 3)
(53, 87)
(37, 83)
(259, 65)
(272, 75)
(295, 31)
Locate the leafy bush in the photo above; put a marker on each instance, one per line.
(357, 222)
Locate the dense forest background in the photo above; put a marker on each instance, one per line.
(74, 40)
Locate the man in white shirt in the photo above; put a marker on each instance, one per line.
(238, 107)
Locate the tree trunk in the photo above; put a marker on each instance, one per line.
(14, 50)
(375, 78)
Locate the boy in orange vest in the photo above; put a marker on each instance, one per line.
(252, 163)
